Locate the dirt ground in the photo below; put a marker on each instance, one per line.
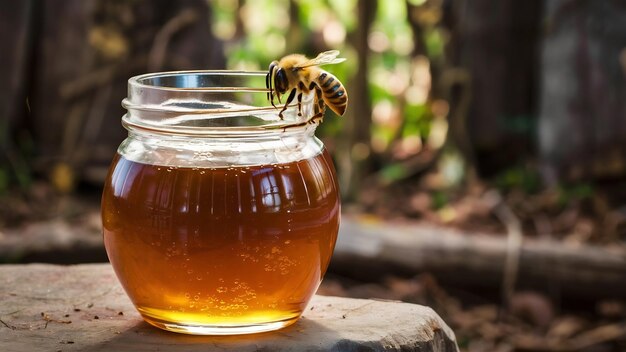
(531, 321)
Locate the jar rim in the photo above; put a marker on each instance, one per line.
(209, 103)
(141, 80)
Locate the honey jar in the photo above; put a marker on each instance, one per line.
(218, 216)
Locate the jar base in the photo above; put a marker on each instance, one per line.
(205, 329)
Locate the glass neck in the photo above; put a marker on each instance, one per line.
(213, 119)
(276, 147)
(210, 103)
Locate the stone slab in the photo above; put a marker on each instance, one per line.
(84, 308)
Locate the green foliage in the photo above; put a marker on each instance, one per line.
(16, 149)
(393, 172)
(4, 181)
(519, 124)
(258, 32)
(568, 194)
(520, 177)
(439, 200)
(418, 120)
(435, 43)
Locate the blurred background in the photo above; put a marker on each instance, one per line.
(491, 133)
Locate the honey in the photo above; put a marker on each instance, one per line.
(221, 247)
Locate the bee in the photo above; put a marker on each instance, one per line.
(299, 75)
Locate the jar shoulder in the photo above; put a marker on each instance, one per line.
(203, 153)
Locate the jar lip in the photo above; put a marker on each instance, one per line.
(140, 80)
(210, 103)
(282, 130)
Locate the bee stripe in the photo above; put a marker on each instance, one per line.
(337, 103)
(328, 82)
(337, 95)
(333, 89)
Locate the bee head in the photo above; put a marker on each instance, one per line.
(280, 80)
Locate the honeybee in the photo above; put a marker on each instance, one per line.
(299, 75)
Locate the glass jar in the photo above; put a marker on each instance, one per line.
(218, 216)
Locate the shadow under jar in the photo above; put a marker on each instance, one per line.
(218, 217)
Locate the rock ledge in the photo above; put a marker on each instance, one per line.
(83, 308)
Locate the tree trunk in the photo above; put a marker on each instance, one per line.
(583, 110)
(354, 165)
(16, 43)
(497, 42)
(85, 54)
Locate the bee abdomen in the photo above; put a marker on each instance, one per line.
(333, 92)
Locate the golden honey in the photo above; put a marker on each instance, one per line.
(221, 250)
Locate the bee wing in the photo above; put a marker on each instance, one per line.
(325, 58)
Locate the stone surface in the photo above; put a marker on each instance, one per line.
(83, 308)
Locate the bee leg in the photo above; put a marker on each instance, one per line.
(320, 114)
(289, 100)
(320, 108)
(317, 118)
(320, 103)
(300, 104)
(318, 94)
(301, 86)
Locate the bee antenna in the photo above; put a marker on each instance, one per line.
(276, 83)
(268, 82)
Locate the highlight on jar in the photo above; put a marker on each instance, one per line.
(221, 208)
